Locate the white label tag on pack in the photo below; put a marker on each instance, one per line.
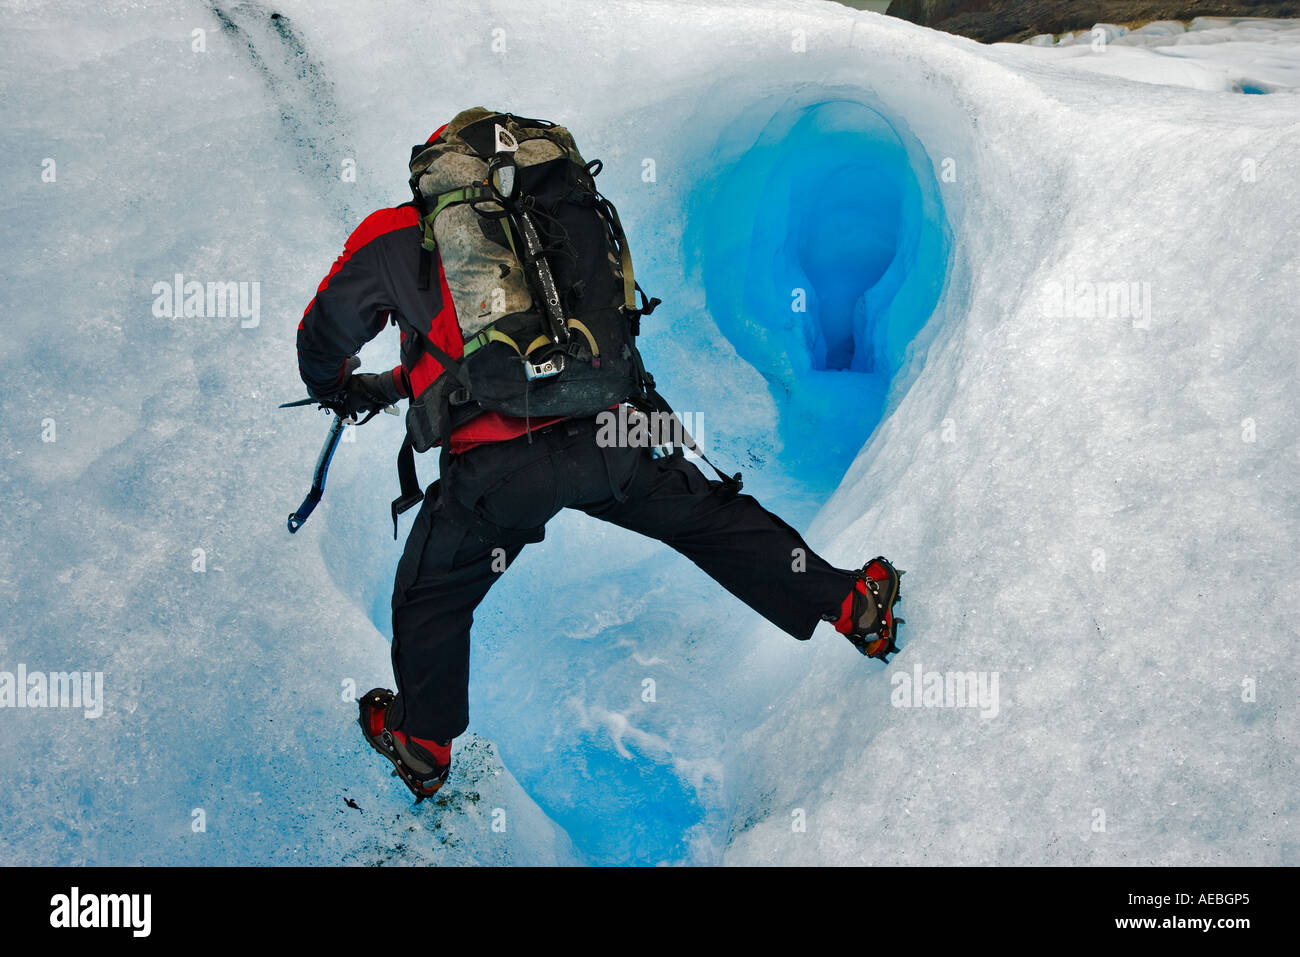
(505, 142)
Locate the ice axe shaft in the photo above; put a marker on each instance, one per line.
(297, 519)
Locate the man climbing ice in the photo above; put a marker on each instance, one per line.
(511, 281)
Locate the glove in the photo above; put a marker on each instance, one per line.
(363, 393)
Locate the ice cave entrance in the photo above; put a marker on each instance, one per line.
(823, 247)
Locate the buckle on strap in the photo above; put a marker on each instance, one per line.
(401, 504)
(411, 493)
(544, 370)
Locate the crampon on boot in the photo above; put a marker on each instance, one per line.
(423, 767)
(867, 615)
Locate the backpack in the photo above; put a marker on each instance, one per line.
(540, 279)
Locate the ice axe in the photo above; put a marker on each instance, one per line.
(297, 518)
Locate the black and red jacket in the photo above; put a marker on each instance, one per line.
(377, 278)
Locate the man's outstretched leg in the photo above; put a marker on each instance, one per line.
(748, 550)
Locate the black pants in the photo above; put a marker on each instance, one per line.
(446, 570)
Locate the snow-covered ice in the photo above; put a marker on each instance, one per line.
(1234, 54)
(1049, 367)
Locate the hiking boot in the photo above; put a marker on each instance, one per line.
(867, 615)
(423, 765)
